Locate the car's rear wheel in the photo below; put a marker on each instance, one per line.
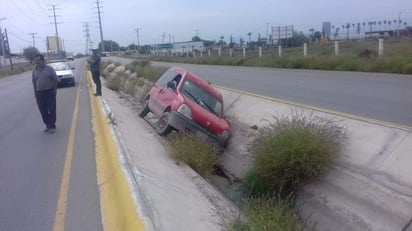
(162, 126)
(145, 109)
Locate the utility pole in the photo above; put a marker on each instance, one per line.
(8, 46)
(55, 27)
(399, 20)
(163, 37)
(32, 35)
(137, 31)
(2, 43)
(100, 25)
(267, 33)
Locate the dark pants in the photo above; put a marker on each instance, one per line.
(96, 80)
(46, 101)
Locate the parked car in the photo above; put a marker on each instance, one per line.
(186, 103)
(64, 73)
(70, 58)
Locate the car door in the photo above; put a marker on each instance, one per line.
(161, 95)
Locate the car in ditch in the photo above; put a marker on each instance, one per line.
(64, 72)
(186, 103)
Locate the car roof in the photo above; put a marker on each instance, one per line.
(57, 61)
(198, 80)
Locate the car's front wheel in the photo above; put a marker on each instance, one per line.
(162, 126)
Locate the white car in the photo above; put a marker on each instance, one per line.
(64, 73)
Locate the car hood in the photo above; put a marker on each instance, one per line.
(207, 119)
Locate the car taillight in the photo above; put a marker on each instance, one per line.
(185, 110)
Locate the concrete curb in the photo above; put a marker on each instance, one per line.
(117, 205)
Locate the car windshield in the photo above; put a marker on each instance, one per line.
(202, 97)
(60, 66)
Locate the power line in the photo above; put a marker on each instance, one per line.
(29, 17)
(16, 36)
(31, 9)
(40, 6)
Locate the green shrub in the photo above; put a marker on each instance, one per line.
(195, 152)
(254, 185)
(267, 214)
(292, 151)
(132, 81)
(110, 69)
(407, 69)
(17, 69)
(104, 64)
(137, 65)
(152, 73)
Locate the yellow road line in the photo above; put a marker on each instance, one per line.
(350, 116)
(60, 216)
(117, 205)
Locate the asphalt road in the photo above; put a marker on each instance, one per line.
(386, 97)
(32, 162)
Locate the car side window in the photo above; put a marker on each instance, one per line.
(177, 79)
(166, 77)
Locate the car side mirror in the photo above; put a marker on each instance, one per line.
(171, 85)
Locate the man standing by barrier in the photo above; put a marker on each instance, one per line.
(94, 62)
(44, 80)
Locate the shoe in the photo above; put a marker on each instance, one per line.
(51, 130)
(97, 94)
(46, 130)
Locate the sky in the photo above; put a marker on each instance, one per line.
(179, 20)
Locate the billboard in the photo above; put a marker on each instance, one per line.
(53, 45)
(282, 32)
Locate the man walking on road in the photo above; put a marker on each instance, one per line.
(94, 62)
(44, 80)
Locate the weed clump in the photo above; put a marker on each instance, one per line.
(274, 214)
(144, 69)
(194, 151)
(114, 84)
(292, 151)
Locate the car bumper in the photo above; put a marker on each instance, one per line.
(184, 124)
(66, 81)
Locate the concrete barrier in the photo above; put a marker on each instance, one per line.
(370, 186)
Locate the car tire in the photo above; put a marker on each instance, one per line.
(162, 126)
(145, 109)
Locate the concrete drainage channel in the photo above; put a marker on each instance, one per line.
(223, 180)
(370, 187)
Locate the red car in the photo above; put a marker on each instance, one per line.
(186, 103)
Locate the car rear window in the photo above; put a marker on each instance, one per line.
(60, 66)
